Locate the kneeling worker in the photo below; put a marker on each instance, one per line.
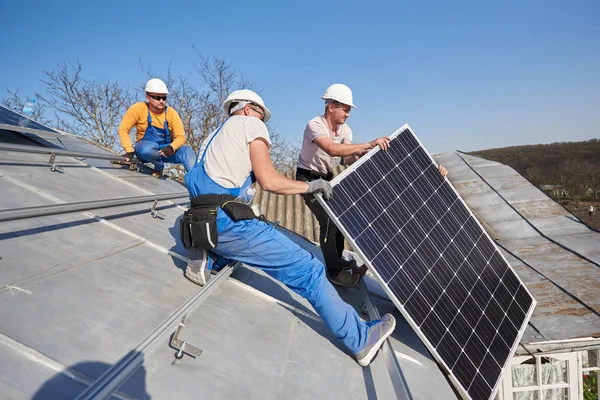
(160, 136)
(220, 186)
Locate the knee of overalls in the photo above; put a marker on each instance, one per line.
(146, 148)
(186, 156)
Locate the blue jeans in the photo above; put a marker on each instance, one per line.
(147, 151)
(260, 245)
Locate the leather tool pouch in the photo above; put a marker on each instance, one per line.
(198, 227)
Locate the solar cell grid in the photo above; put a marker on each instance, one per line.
(435, 261)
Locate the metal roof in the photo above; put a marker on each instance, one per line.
(79, 293)
(555, 254)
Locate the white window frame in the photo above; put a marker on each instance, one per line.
(583, 369)
(572, 385)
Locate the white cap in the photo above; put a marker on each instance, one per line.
(246, 95)
(155, 85)
(340, 93)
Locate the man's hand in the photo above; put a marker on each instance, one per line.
(442, 170)
(383, 142)
(167, 151)
(129, 156)
(362, 270)
(320, 186)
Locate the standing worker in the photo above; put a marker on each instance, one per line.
(221, 221)
(326, 137)
(160, 136)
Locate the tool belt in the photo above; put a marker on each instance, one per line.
(198, 226)
(309, 175)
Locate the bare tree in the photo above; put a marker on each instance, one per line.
(16, 103)
(534, 175)
(84, 107)
(574, 177)
(284, 153)
(200, 106)
(220, 80)
(594, 179)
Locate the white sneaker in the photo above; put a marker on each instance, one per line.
(198, 268)
(379, 330)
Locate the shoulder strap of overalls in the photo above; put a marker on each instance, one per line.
(210, 141)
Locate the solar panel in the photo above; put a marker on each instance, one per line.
(435, 261)
(9, 117)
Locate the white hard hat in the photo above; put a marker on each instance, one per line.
(245, 95)
(155, 85)
(340, 93)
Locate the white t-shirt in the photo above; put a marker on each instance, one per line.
(227, 159)
(312, 157)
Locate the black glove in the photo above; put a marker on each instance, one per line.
(320, 186)
(129, 155)
(168, 151)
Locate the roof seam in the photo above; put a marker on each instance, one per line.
(133, 185)
(527, 221)
(98, 219)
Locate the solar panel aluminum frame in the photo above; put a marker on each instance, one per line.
(391, 295)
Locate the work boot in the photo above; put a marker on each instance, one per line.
(199, 266)
(344, 278)
(157, 174)
(379, 330)
(344, 264)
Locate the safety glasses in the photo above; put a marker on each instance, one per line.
(259, 111)
(158, 98)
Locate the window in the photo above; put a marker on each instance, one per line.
(541, 378)
(590, 368)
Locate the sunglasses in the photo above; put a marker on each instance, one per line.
(259, 111)
(158, 98)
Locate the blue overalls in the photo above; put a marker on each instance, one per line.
(259, 245)
(156, 139)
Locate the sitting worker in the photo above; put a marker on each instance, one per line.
(160, 136)
(221, 190)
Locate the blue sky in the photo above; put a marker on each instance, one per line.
(465, 75)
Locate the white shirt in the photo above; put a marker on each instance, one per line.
(312, 157)
(227, 159)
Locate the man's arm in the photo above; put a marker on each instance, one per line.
(326, 144)
(266, 175)
(176, 126)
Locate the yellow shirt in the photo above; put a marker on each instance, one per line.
(137, 115)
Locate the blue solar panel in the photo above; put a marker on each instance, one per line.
(16, 120)
(434, 260)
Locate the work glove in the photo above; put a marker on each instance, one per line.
(320, 186)
(168, 151)
(129, 155)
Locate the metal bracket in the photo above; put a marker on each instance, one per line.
(134, 165)
(52, 163)
(153, 212)
(364, 310)
(181, 345)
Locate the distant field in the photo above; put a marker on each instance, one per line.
(581, 212)
(540, 163)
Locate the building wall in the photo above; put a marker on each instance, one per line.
(290, 210)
